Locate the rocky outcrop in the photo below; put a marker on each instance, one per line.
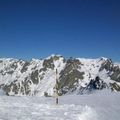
(115, 74)
(113, 70)
(115, 87)
(70, 76)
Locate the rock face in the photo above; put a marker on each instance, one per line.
(113, 71)
(96, 84)
(70, 76)
(76, 75)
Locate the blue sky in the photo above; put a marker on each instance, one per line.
(78, 28)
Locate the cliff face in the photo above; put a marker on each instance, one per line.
(76, 75)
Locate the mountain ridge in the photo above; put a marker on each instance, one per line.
(76, 75)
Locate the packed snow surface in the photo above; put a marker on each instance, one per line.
(101, 105)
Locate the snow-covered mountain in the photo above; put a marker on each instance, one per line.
(76, 75)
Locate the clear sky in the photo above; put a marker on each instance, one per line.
(78, 28)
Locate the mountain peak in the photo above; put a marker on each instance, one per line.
(53, 55)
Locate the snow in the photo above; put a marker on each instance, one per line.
(89, 66)
(48, 82)
(53, 55)
(45, 85)
(91, 69)
(1, 92)
(102, 105)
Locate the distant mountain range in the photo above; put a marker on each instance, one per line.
(76, 75)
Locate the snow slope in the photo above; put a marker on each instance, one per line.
(102, 105)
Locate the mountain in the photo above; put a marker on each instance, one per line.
(76, 75)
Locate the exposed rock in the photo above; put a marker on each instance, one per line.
(114, 86)
(14, 65)
(113, 71)
(70, 76)
(107, 65)
(35, 77)
(48, 63)
(25, 67)
(11, 88)
(97, 84)
(115, 74)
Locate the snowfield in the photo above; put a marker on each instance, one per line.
(101, 105)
